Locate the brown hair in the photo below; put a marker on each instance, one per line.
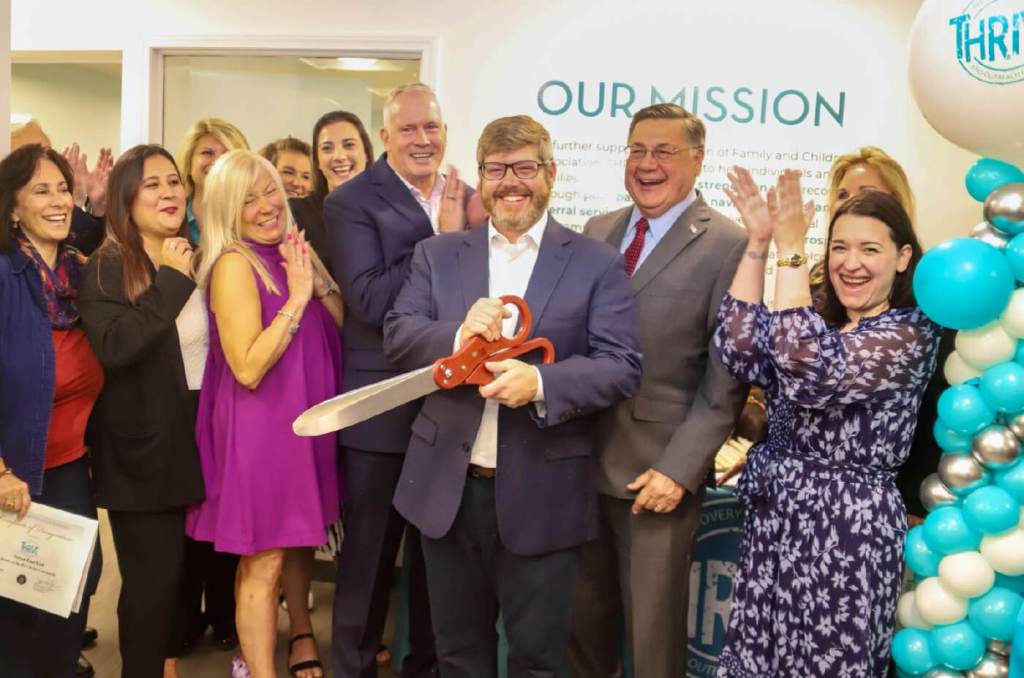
(289, 143)
(16, 170)
(889, 211)
(512, 132)
(123, 237)
(319, 190)
(691, 124)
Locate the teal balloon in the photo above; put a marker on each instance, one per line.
(988, 174)
(964, 410)
(949, 440)
(958, 646)
(1011, 583)
(919, 556)
(991, 510)
(963, 283)
(994, 614)
(1011, 480)
(1002, 387)
(1018, 356)
(1014, 253)
(946, 531)
(912, 653)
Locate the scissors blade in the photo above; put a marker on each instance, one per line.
(364, 403)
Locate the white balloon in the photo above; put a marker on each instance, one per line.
(970, 99)
(937, 604)
(986, 346)
(1004, 552)
(908, 614)
(966, 574)
(957, 371)
(1012, 318)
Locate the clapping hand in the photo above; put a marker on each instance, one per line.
(753, 208)
(451, 215)
(789, 215)
(91, 185)
(298, 266)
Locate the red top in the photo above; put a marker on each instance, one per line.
(79, 379)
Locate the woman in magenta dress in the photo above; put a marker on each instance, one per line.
(274, 351)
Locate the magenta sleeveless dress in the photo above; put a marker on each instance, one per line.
(266, 487)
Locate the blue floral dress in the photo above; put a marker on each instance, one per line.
(822, 547)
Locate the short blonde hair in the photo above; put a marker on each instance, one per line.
(892, 176)
(391, 101)
(221, 130)
(510, 133)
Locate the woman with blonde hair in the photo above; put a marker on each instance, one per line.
(274, 351)
(204, 143)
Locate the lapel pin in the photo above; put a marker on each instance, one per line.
(693, 229)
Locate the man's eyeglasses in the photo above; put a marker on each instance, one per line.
(661, 153)
(524, 169)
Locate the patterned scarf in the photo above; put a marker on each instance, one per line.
(60, 285)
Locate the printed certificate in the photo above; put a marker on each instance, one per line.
(45, 557)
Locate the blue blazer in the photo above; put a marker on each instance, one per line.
(26, 369)
(581, 301)
(373, 223)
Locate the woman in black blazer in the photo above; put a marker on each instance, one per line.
(132, 295)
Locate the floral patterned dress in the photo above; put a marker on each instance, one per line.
(822, 547)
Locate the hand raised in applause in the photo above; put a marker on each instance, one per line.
(177, 254)
(753, 208)
(790, 221)
(298, 266)
(451, 214)
(483, 319)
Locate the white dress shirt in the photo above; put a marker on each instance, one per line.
(510, 267)
(431, 204)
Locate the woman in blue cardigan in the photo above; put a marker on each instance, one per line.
(49, 381)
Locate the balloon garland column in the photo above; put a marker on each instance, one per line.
(968, 557)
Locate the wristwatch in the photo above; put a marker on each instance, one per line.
(792, 261)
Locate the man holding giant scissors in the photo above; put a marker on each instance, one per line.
(499, 479)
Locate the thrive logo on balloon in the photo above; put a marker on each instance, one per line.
(988, 41)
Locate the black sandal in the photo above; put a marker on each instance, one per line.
(307, 664)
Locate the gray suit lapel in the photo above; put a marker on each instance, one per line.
(474, 266)
(690, 225)
(552, 258)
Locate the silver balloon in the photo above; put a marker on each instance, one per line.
(961, 473)
(995, 447)
(943, 672)
(999, 647)
(986, 232)
(1004, 208)
(992, 666)
(1017, 426)
(934, 493)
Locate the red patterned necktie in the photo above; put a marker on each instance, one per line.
(636, 247)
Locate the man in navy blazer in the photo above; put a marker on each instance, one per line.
(500, 479)
(373, 222)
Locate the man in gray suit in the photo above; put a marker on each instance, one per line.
(655, 450)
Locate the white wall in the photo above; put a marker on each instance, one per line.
(5, 68)
(493, 57)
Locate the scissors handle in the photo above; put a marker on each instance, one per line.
(456, 369)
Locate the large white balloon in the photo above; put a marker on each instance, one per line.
(937, 604)
(1004, 552)
(966, 574)
(986, 346)
(967, 74)
(908, 614)
(1012, 319)
(957, 371)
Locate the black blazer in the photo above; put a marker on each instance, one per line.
(142, 430)
(310, 218)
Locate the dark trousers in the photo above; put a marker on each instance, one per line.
(208, 589)
(373, 533)
(150, 614)
(37, 644)
(473, 577)
(638, 569)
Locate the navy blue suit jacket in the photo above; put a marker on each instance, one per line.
(373, 222)
(581, 301)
